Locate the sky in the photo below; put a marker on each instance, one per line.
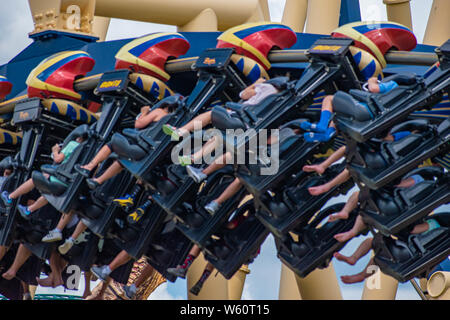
(263, 281)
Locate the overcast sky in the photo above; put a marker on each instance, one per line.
(263, 281)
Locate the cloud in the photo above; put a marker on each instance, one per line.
(162, 293)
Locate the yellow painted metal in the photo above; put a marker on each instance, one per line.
(236, 283)
(379, 286)
(321, 284)
(323, 16)
(204, 21)
(399, 11)
(178, 12)
(100, 27)
(438, 285)
(288, 285)
(438, 28)
(294, 14)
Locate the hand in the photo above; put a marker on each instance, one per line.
(145, 110)
(56, 148)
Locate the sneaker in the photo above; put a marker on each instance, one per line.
(27, 296)
(125, 202)
(130, 291)
(172, 131)
(24, 212)
(135, 216)
(196, 174)
(101, 273)
(6, 199)
(179, 271)
(66, 246)
(92, 184)
(212, 207)
(52, 236)
(185, 160)
(195, 290)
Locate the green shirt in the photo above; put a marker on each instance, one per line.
(67, 151)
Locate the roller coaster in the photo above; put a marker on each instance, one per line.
(69, 91)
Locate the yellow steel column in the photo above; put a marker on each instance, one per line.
(321, 284)
(214, 288)
(323, 16)
(399, 11)
(379, 286)
(294, 14)
(288, 285)
(438, 285)
(236, 283)
(100, 27)
(204, 21)
(438, 28)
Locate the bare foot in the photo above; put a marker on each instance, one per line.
(350, 260)
(341, 215)
(97, 297)
(315, 191)
(88, 167)
(86, 294)
(314, 168)
(50, 282)
(345, 236)
(353, 279)
(8, 275)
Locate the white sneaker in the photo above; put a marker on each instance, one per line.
(66, 246)
(52, 236)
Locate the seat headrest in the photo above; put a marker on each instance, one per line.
(171, 102)
(80, 131)
(404, 78)
(6, 163)
(280, 83)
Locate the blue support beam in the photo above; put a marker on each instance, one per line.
(350, 12)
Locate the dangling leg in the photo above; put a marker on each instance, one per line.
(103, 272)
(362, 250)
(320, 168)
(199, 175)
(195, 290)
(200, 121)
(230, 191)
(87, 284)
(68, 244)
(57, 265)
(130, 291)
(104, 153)
(325, 117)
(22, 255)
(181, 270)
(339, 179)
(112, 171)
(351, 204)
(353, 232)
(56, 234)
(359, 277)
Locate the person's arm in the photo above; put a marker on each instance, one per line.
(249, 92)
(145, 119)
(58, 156)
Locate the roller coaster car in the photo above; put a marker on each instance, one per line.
(167, 249)
(121, 103)
(292, 153)
(390, 210)
(387, 109)
(316, 244)
(416, 255)
(218, 78)
(192, 218)
(291, 204)
(332, 67)
(43, 122)
(229, 249)
(376, 163)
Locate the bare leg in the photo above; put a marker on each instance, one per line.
(102, 291)
(362, 250)
(80, 228)
(320, 168)
(39, 203)
(24, 188)
(87, 284)
(351, 204)
(359, 277)
(207, 148)
(3, 250)
(57, 265)
(202, 120)
(340, 178)
(104, 153)
(122, 258)
(229, 191)
(22, 255)
(112, 171)
(65, 219)
(353, 232)
(217, 164)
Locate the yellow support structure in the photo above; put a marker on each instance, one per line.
(399, 11)
(294, 14)
(438, 28)
(438, 286)
(323, 16)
